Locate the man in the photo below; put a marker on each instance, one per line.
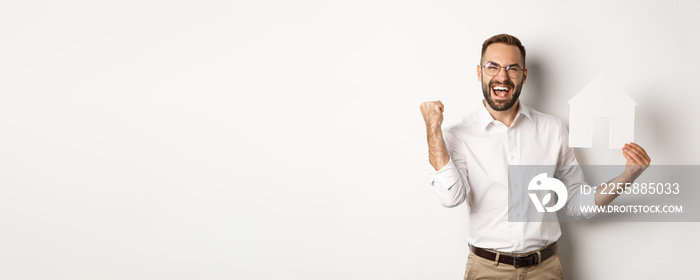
(471, 159)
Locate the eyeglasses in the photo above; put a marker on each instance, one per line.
(492, 69)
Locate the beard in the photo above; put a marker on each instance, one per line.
(501, 105)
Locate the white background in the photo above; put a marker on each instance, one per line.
(283, 140)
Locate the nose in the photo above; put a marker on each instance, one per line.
(502, 74)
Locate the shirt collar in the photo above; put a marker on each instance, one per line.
(485, 118)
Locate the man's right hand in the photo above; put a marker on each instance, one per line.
(432, 113)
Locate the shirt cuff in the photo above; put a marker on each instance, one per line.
(588, 200)
(446, 176)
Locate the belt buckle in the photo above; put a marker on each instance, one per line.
(515, 261)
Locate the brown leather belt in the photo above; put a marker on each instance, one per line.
(517, 261)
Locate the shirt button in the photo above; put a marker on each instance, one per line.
(512, 157)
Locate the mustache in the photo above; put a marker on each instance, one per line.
(507, 83)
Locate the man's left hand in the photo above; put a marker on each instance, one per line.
(637, 158)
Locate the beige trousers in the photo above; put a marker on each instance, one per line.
(482, 269)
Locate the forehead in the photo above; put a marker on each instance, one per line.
(503, 54)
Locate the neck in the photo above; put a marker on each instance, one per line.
(506, 117)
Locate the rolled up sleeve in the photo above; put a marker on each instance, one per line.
(450, 182)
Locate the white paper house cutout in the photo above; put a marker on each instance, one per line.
(602, 98)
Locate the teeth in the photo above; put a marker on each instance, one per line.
(500, 88)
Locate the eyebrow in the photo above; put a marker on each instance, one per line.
(506, 65)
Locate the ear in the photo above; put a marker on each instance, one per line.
(524, 76)
(478, 72)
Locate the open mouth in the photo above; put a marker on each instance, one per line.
(501, 91)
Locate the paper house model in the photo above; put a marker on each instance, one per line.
(604, 97)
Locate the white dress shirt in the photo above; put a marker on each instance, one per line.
(480, 150)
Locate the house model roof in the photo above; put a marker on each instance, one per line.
(603, 89)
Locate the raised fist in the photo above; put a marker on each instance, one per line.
(432, 113)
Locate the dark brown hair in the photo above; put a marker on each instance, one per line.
(506, 39)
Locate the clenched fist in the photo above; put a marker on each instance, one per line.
(432, 113)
